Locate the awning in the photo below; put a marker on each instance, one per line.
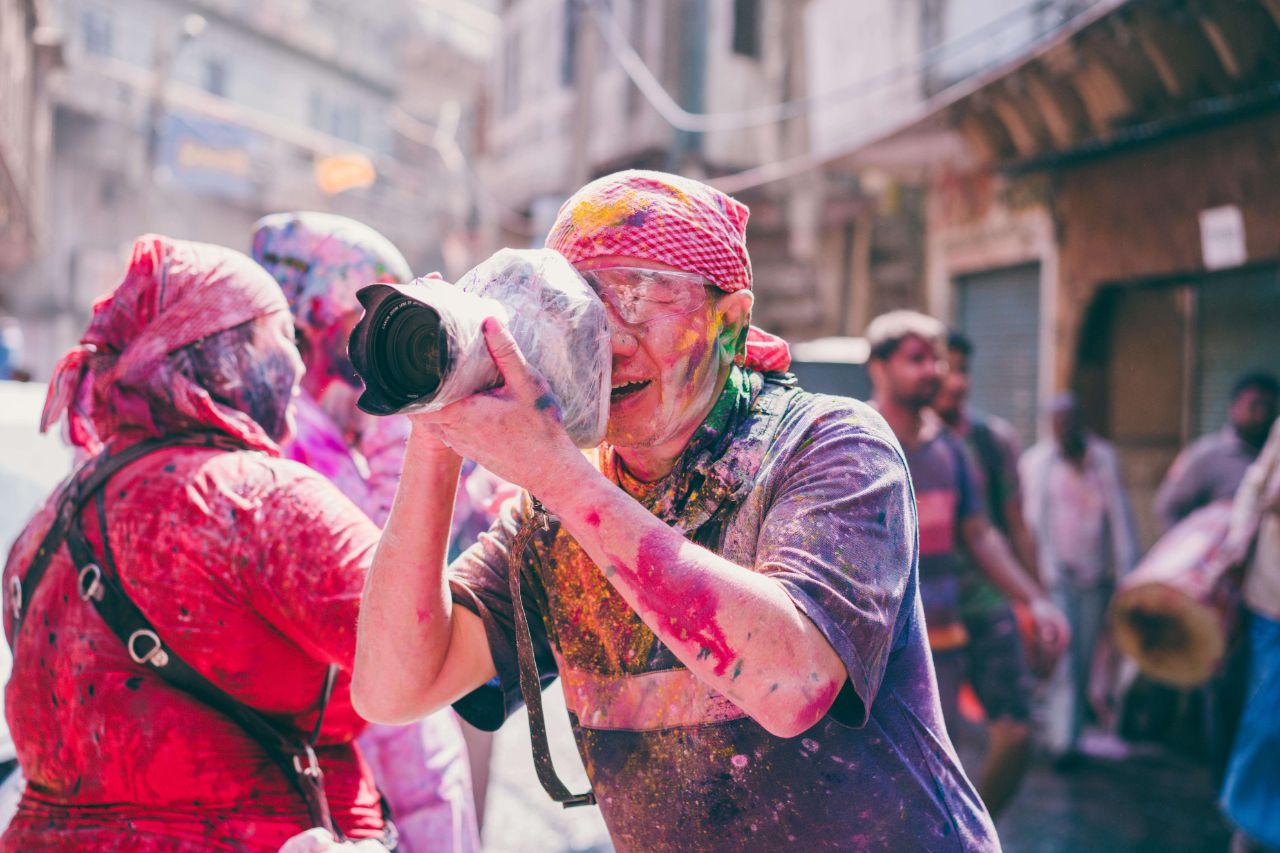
(1122, 72)
(1126, 73)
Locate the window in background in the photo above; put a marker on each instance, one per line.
(639, 28)
(569, 48)
(746, 27)
(511, 74)
(96, 27)
(215, 77)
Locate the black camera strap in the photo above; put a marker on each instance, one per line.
(709, 534)
(530, 686)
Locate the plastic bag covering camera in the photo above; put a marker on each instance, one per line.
(555, 317)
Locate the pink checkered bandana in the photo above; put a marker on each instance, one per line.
(673, 220)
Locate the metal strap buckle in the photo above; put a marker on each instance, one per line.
(540, 517)
(91, 583)
(312, 768)
(156, 655)
(15, 597)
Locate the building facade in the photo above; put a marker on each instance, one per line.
(1111, 194)
(564, 110)
(32, 52)
(761, 98)
(195, 118)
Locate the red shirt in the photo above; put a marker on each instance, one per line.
(250, 568)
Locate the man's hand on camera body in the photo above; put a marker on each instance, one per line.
(514, 430)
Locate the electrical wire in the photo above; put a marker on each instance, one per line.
(681, 119)
(457, 164)
(777, 170)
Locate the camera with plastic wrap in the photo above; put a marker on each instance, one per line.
(419, 346)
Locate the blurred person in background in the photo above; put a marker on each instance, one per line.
(1251, 790)
(12, 350)
(320, 261)
(907, 363)
(246, 567)
(997, 663)
(1075, 504)
(1211, 468)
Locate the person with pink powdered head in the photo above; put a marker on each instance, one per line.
(182, 608)
(320, 261)
(727, 588)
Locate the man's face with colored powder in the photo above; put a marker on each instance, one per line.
(913, 372)
(953, 388)
(668, 371)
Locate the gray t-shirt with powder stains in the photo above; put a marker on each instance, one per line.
(829, 512)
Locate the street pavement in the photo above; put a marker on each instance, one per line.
(1148, 802)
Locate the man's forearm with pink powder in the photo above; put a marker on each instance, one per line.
(735, 629)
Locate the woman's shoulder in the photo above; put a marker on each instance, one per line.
(248, 480)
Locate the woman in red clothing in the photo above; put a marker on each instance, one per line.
(248, 566)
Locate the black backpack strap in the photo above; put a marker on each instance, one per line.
(992, 459)
(530, 686)
(88, 479)
(98, 583)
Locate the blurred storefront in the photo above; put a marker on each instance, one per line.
(1112, 195)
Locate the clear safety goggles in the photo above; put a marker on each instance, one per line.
(641, 295)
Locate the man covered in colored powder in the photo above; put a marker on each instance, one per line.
(728, 594)
(906, 364)
(320, 261)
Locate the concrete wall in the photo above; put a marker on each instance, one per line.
(25, 121)
(304, 80)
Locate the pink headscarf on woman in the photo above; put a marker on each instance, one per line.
(120, 378)
(673, 220)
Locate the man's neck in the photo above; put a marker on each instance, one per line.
(957, 419)
(1247, 441)
(650, 464)
(1075, 452)
(907, 422)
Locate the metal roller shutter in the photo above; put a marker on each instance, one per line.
(1000, 311)
(1238, 331)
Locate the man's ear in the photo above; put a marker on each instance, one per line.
(735, 308)
(875, 371)
(735, 316)
(735, 313)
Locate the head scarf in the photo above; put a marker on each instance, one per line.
(120, 378)
(673, 220)
(320, 260)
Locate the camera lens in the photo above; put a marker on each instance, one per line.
(406, 350)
